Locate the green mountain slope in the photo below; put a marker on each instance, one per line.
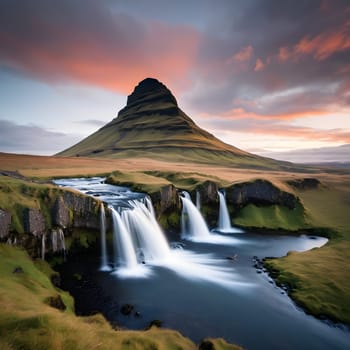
(153, 126)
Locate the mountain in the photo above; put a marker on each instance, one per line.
(152, 125)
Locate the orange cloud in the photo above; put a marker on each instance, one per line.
(163, 51)
(239, 113)
(325, 44)
(283, 54)
(306, 133)
(259, 65)
(244, 54)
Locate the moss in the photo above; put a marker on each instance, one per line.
(27, 322)
(272, 217)
(17, 195)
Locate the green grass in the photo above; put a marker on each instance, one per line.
(320, 278)
(17, 195)
(28, 322)
(138, 181)
(273, 217)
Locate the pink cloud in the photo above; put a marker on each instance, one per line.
(259, 65)
(155, 49)
(325, 44)
(244, 54)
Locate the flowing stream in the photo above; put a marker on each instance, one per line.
(208, 286)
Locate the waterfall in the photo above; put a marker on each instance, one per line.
(224, 217)
(148, 237)
(192, 221)
(61, 240)
(224, 222)
(124, 252)
(149, 205)
(54, 240)
(104, 262)
(43, 246)
(198, 200)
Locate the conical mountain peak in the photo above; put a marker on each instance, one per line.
(152, 125)
(148, 90)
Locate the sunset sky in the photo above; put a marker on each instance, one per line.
(263, 75)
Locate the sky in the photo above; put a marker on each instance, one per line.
(266, 76)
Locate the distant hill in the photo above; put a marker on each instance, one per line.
(152, 125)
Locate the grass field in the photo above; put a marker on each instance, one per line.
(320, 278)
(27, 321)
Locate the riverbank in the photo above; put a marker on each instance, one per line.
(37, 315)
(321, 278)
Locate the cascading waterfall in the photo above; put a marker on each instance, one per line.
(149, 206)
(54, 240)
(61, 240)
(224, 217)
(193, 224)
(104, 261)
(198, 200)
(224, 222)
(147, 237)
(124, 252)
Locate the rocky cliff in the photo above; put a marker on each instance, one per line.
(37, 215)
(260, 193)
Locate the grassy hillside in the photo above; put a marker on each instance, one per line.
(153, 126)
(27, 321)
(320, 277)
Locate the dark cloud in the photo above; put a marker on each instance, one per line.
(220, 55)
(297, 44)
(33, 139)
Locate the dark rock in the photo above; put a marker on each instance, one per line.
(157, 323)
(208, 191)
(126, 309)
(56, 280)
(5, 221)
(169, 198)
(34, 222)
(261, 193)
(149, 90)
(84, 210)
(307, 183)
(60, 213)
(18, 269)
(57, 302)
(206, 345)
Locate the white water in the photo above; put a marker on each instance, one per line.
(61, 240)
(124, 252)
(148, 237)
(104, 259)
(224, 224)
(193, 224)
(149, 205)
(198, 200)
(54, 240)
(224, 217)
(194, 228)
